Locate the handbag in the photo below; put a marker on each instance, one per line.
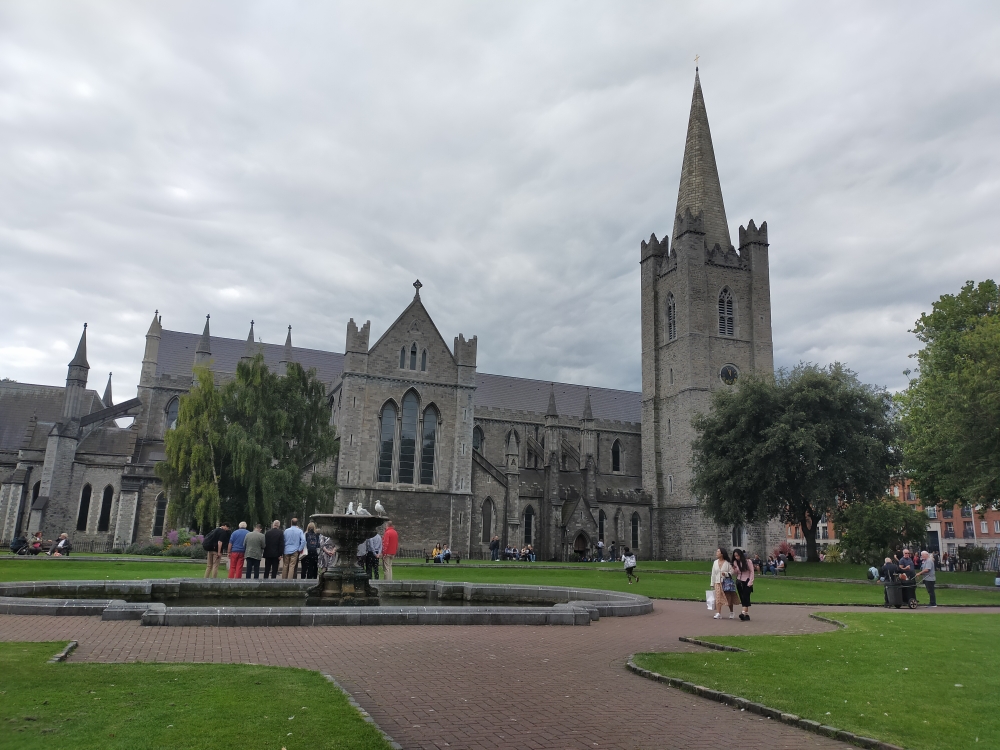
(728, 584)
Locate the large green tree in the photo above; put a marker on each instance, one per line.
(951, 409)
(252, 449)
(794, 448)
(870, 531)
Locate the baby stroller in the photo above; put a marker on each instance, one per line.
(19, 546)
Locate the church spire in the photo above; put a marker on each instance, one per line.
(203, 353)
(552, 411)
(700, 190)
(588, 412)
(80, 358)
(248, 351)
(108, 403)
(286, 355)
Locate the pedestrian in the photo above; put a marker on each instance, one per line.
(907, 567)
(310, 561)
(629, 559)
(215, 543)
(62, 547)
(723, 583)
(744, 581)
(390, 548)
(614, 550)
(274, 547)
(254, 550)
(373, 553)
(600, 550)
(495, 549)
(295, 542)
(927, 571)
(362, 554)
(237, 550)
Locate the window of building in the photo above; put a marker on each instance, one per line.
(968, 532)
(487, 520)
(160, 515)
(671, 376)
(529, 523)
(616, 456)
(402, 358)
(423, 361)
(966, 511)
(427, 449)
(104, 521)
(949, 530)
(948, 513)
(932, 512)
(387, 438)
(635, 531)
(727, 320)
(413, 357)
(478, 439)
(895, 490)
(996, 527)
(408, 436)
(983, 527)
(172, 409)
(668, 428)
(81, 517)
(601, 518)
(671, 320)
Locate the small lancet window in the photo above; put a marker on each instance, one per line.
(387, 439)
(423, 361)
(727, 322)
(671, 318)
(413, 357)
(427, 449)
(402, 358)
(172, 411)
(478, 439)
(616, 456)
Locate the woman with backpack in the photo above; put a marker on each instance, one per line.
(723, 583)
(629, 559)
(744, 580)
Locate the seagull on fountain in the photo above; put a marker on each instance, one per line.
(361, 511)
(379, 508)
(350, 509)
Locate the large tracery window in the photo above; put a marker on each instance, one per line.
(408, 436)
(727, 321)
(172, 409)
(427, 450)
(671, 318)
(387, 436)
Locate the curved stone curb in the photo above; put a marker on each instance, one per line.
(821, 618)
(64, 654)
(709, 644)
(761, 710)
(533, 605)
(364, 714)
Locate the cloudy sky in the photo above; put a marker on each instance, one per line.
(303, 162)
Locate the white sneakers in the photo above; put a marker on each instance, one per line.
(732, 616)
(718, 616)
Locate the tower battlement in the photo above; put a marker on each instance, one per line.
(751, 235)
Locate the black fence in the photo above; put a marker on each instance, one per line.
(92, 546)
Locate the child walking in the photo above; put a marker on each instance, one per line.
(629, 559)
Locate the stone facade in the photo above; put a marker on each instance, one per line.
(454, 455)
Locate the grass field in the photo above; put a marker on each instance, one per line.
(68, 569)
(137, 706)
(924, 683)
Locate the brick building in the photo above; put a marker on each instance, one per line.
(454, 455)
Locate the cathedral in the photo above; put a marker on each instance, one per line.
(454, 455)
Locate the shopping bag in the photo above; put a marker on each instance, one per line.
(710, 599)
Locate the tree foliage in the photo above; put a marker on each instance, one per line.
(252, 449)
(951, 409)
(794, 448)
(871, 531)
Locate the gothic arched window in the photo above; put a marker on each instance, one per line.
(402, 358)
(601, 518)
(487, 520)
(171, 413)
(387, 439)
(529, 519)
(727, 320)
(427, 450)
(408, 436)
(635, 531)
(160, 516)
(671, 318)
(413, 357)
(104, 521)
(423, 361)
(84, 514)
(616, 456)
(478, 439)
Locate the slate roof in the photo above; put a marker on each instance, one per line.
(177, 351)
(18, 401)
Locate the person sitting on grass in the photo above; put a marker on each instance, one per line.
(629, 559)
(62, 547)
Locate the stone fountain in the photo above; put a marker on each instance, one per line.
(346, 584)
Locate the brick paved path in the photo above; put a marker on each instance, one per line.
(517, 687)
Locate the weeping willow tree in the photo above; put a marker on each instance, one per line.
(251, 450)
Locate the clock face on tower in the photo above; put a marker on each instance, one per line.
(729, 374)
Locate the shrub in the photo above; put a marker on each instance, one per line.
(973, 555)
(132, 549)
(198, 552)
(177, 552)
(787, 549)
(151, 549)
(833, 554)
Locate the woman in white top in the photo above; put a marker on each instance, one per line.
(721, 570)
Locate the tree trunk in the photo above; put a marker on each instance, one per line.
(809, 528)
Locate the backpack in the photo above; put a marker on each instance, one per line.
(211, 541)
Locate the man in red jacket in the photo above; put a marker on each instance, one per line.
(390, 546)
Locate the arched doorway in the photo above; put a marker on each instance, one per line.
(581, 545)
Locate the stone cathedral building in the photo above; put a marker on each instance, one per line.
(455, 455)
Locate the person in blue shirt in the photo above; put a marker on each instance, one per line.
(295, 542)
(237, 550)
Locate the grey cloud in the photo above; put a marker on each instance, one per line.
(304, 164)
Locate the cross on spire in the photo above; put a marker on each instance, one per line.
(417, 285)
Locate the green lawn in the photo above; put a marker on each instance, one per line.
(920, 681)
(68, 569)
(134, 706)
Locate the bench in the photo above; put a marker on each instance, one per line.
(429, 558)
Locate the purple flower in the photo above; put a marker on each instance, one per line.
(172, 536)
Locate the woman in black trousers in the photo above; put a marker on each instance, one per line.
(744, 581)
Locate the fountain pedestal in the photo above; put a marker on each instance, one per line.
(346, 584)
